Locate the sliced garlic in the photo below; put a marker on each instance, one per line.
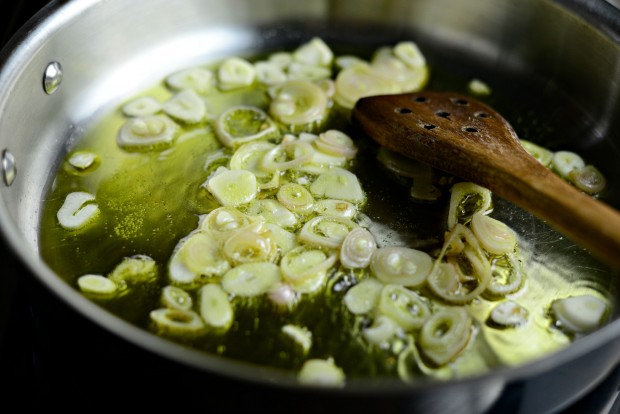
(506, 276)
(176, 298)
(360, 80)
(320, 372)
(301, 71)
(541, 154)
(145, 133)
(222, 222)
(478, 87)
(98, 286)
(282, 295)
(563, 162)
(493, 235)
(588, 179)
(249, 157)
(233, 187)
(281, 59)
(186, 106)
(252, 243)
(235, 73)
(339, 183)
(78, 210)
(336, 143)
(322, 162)
(251, 279)
(289, 154)
(295, 198)
(270, 73)
(242, 123)
(195, 257)
(579, 314)
(200, 80)
(216, 159)
(363, 297)
(448, 279)
(326, 231)
(272, 211)
(401, 165)
(447, 283)
(405, 307)
(336, 208)
(300, 105)
(328, 86)
(142, 106)
(410, 53)
(408, 79)
(509, 314)
(445, 335)
(423, 190)
(83, 160)
(269, 183)
(134, 270)
(315, 52)
(383, 329)
(467, 198)
(215, 308)
(345, 61)
(401, 265)
(305, 268)
(357, 248)
(300, 334)
(175, 322)
(285, 241)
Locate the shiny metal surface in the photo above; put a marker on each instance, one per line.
(110, 49)
(9, 169)
(52, 77)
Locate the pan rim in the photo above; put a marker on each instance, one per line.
(56, 15)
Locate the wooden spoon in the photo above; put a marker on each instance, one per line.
(466, 138)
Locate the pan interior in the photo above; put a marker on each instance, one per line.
(532, 88)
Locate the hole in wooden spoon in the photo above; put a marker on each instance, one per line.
(470, 129)
(402, 110)
(481, 115)
(459, 101)
(429, 126)
(443, 114)
(420, 99)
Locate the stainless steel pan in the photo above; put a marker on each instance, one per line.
(77, 59)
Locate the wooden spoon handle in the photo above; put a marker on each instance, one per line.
(468, 139)
(586, 221)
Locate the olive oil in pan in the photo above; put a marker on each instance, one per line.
(150, 200)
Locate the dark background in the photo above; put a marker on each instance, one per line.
(13, 14)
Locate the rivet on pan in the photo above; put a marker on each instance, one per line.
(52, 77)
(8, 167)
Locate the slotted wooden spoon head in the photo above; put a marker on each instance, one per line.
(449, 131)
(464, 137)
